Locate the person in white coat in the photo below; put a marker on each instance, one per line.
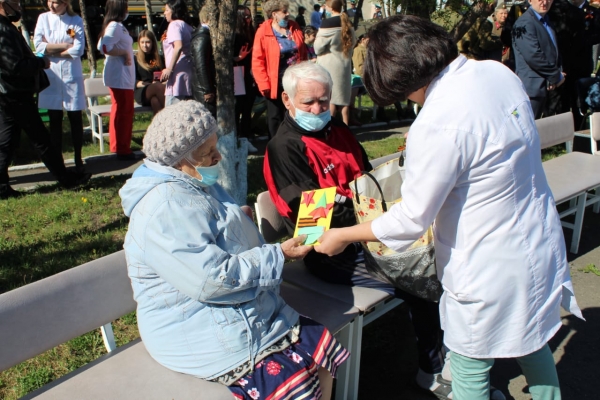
(119, 76)
(473, 166)
(59, 36)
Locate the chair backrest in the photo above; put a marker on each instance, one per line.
(378, 161)
(46, 313)
(94, 87)
(556, 129)
(270, 222)
(595, 132)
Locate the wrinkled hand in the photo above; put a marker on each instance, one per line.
(294, 249)
(248, 211)
(331, 243)
(166, 74)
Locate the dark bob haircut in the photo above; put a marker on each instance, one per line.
(179, 9)
(404, 54)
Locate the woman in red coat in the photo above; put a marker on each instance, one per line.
(278, 43)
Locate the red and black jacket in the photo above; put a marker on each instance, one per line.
(297, 160)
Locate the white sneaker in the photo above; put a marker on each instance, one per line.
(251, 148)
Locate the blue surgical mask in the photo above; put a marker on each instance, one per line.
(312, 122)
(283, 23)
(209, 175)
(327, 14)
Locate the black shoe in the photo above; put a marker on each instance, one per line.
(7, 192)
(72, 180)
(80, 169)
(126, 157)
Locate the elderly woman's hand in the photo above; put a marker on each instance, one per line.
(294, 249)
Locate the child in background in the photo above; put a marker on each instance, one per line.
(310, 33)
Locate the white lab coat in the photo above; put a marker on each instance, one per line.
(473, 164)
(65, 74)
(116, 74)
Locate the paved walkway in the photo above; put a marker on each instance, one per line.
(389, 363)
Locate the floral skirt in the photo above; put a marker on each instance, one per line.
(292, 373)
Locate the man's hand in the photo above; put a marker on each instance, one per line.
(552, 86)
(331, 243)
(294, 249)
(266, 93)
(46, 62)
(127, 58)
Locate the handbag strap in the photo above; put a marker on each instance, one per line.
(383, 205)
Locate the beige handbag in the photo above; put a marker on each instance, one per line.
(412, 270)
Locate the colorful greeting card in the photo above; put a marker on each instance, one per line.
(314, 216)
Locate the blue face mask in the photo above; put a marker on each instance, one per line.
(312, 122)
(283, 23)
(327, 14)
(209, 175)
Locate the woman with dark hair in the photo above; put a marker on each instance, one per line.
(59, 36)
(149, 91)
(119, 75)
(473, 165)
(334, 45)
(242, 50)
(178, 59)
(278, 44)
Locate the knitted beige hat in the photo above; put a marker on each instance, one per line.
(176, 131)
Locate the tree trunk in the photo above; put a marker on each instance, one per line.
(234, 165)
(383, 9)
(253, 11)
(478, 10)
(89, 40)
(149, 23)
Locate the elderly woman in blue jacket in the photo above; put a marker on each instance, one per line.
(206, 283)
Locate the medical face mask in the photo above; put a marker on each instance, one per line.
(283, 23)
(327, 14)
(209, 175)
(125, 17)
(310, 121)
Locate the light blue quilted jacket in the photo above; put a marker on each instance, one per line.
(206, 284)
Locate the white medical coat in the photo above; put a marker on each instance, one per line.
(473, 164)
(116, 74)
(65, 74)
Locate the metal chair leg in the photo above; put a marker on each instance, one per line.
(578, 223)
